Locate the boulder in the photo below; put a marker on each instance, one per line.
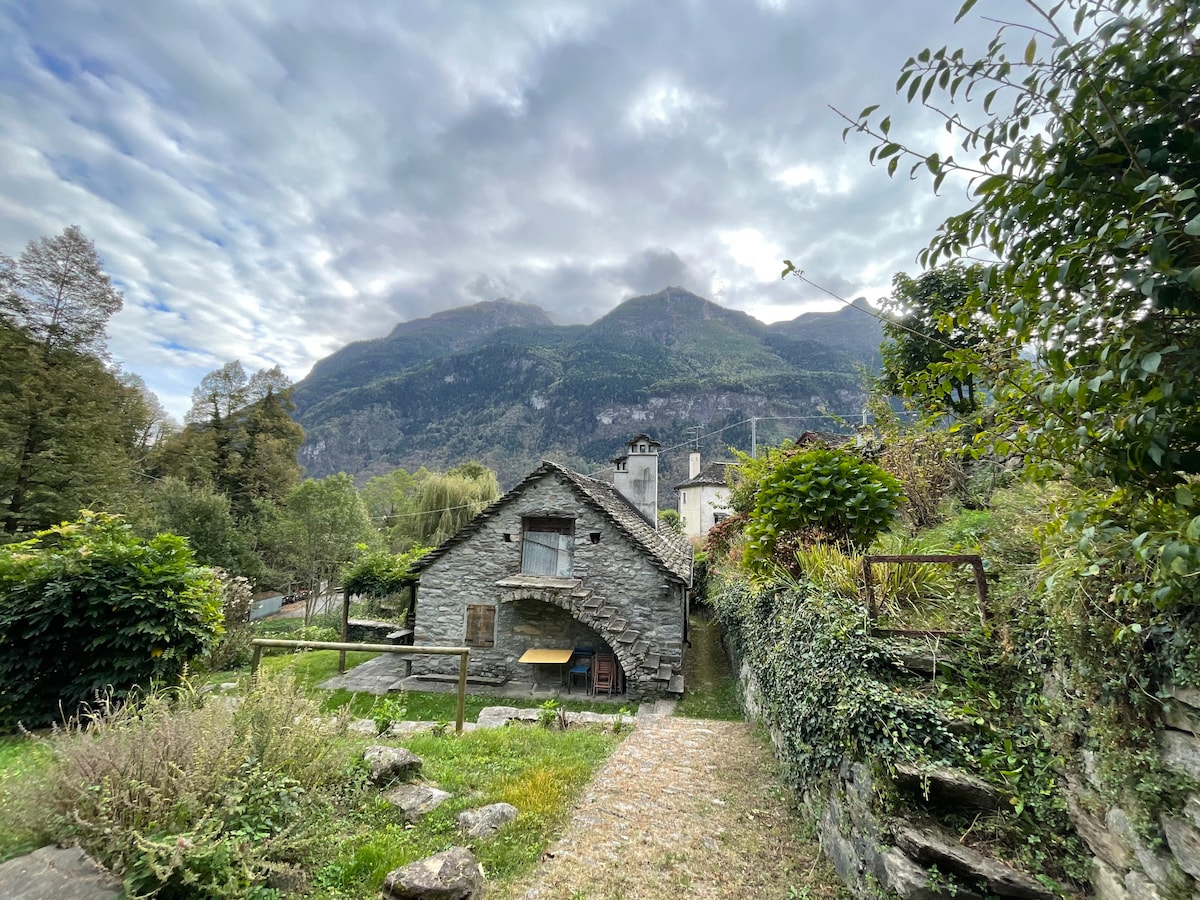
(65, 873)
(390, 764)
(417, 800)
(454, 874)
(483, 823)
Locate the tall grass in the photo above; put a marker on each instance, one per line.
(189, 798)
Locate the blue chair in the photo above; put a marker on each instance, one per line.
(581, 664)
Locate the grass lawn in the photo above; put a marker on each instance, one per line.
(20, 757)
(711, 690)
(348, 836)
(540, 772)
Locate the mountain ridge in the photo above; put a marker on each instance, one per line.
(501, 383)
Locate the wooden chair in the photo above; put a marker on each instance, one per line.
(604, 673)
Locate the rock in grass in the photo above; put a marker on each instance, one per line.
(57, 872)
(415, 800)
(484, 822)
(390, 764)
(452, 875)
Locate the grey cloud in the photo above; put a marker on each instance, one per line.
(271, 181)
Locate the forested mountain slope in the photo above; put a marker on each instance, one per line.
(499, 383)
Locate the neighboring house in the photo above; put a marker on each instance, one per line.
(704, 497)
(563, 561)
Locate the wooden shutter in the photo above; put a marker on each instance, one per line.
(481, 625)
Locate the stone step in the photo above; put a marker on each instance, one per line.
(651, 663)
(664, 673)
(676, 685)
(627, 637)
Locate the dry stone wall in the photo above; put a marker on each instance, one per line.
(871, 853)
(1126, 864)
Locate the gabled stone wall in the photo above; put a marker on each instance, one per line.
(622, 597)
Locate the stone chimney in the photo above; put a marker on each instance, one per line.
(693, 464)
(636, 476)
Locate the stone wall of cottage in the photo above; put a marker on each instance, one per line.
(623, 600)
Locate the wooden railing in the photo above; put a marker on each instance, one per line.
(463, 653)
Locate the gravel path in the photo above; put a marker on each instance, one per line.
(684, 808)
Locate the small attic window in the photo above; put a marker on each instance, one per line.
(641, 448)
(546, 546)
(621, 465)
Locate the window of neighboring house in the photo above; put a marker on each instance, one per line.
(546, 546)
(719, 517)
(481, 625)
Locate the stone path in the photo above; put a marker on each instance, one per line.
(684, 808)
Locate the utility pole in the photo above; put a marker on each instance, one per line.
(754, 437)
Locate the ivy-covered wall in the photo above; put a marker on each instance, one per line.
(899, 751)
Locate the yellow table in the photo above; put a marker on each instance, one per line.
(543, 656)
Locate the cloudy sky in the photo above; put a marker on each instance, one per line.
(268, 180)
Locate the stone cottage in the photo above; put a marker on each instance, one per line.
(563, 561)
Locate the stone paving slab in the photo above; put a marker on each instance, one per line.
(57, 873)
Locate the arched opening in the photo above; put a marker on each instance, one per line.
(541, 619)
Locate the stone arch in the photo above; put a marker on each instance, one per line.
(592, 618)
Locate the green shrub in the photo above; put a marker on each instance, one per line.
(820, 495)
(185, 798)
(87, 606)
(234, 649)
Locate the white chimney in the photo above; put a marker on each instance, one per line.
(693, 464)
(636, 476)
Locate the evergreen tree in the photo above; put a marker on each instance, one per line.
(69, 427)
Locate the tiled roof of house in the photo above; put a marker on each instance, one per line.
(669, 550)
(713, 473)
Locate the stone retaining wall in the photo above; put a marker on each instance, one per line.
(1126, 865)
(872, 854)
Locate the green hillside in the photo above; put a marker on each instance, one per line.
(498, 383)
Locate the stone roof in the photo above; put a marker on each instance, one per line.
(670, 551)
(713, 473)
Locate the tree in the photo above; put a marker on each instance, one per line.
(69, 427)
(321, 525)
(922, 334)
(205, 518)
(239, 439)
(59, 293)
(87, 607)
(1086, 191)
(424, 508)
